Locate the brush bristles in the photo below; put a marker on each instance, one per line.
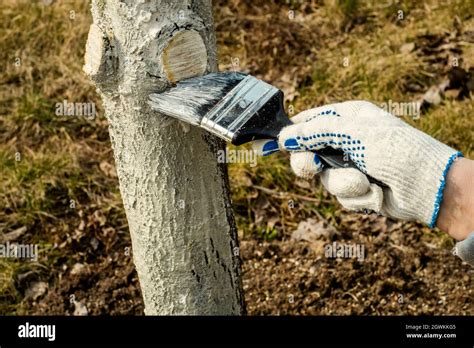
(192, 98)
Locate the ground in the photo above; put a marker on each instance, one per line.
(60, 190)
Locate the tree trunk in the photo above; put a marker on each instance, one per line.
(176, 195)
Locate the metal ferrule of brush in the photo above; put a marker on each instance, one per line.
(237, 107)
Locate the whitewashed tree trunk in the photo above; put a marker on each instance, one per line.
(176, 195)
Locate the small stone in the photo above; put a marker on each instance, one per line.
(80, 309)
(407, 48)
(311, 231)
(36, 289)
(94, 243)
(432, 96)
(77, 269)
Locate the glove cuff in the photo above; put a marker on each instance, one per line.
(442, 183)
(417, 189)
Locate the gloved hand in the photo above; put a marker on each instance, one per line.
(411, 163)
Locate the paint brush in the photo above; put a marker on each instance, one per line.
(236, 107)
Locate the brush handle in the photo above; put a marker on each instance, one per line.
(269, 121)
(335, 158)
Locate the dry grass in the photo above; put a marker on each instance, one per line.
(49, 161)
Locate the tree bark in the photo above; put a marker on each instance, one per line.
(176, 195)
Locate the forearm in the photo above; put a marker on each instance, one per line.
(456, 216)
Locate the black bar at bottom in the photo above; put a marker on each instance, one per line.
(452, 331)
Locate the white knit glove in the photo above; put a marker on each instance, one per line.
(411, 163)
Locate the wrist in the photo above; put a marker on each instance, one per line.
(456, 215)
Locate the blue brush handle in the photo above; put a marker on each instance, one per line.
(330, 157)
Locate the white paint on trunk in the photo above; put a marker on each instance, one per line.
(175, 193)
(184, 56)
